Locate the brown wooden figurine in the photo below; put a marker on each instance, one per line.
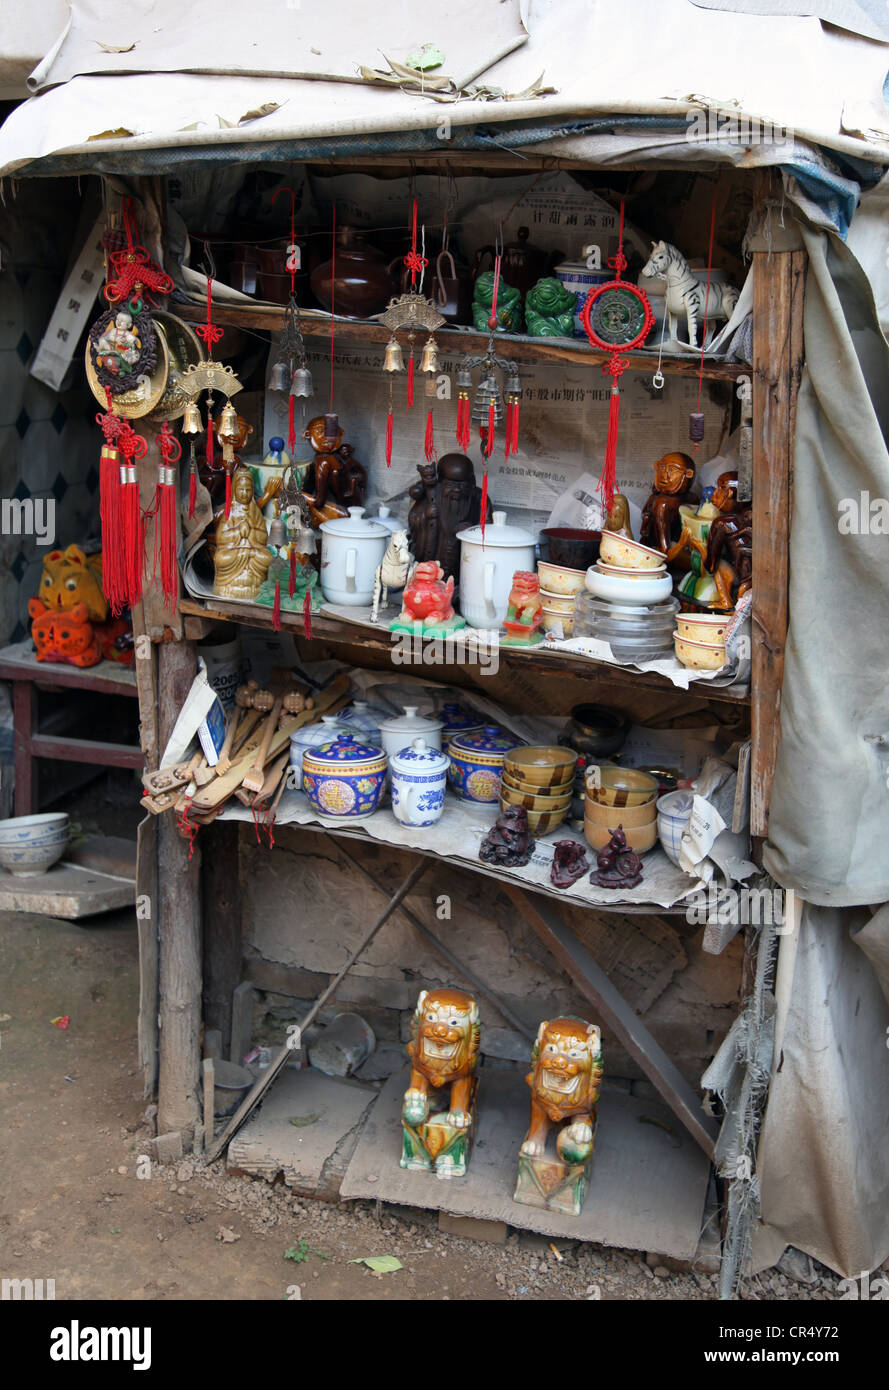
(336, 471)
(446, 499)
(674, 476)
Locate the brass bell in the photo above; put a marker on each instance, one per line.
(228, 421)
(393, 361)
(191, 420)
(429, 358)
(301, 385)
(279, 377)
(488, 392)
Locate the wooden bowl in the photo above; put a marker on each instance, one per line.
(543, 765)
(532, 802)
(700, 656)
(640, 838)
(630, 817)
(629, 555)
(622, 786)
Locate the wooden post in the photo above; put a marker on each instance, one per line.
(222, 926)
(779, 270)
(179, 927)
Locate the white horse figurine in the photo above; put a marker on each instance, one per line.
(686, 294)
(392, 571)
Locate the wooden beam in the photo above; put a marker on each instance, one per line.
(778, 294)
(222, 948)
(179, 927)
(613, 1010)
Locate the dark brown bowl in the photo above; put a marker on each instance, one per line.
(576, 549)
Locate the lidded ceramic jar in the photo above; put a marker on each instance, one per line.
(487, 565)
(313, 736)
(419, 776)
(402, 729)
(477, 762)
(358, 718)
(385, 518)
(351, 549)
(345, 778)
(456, 719)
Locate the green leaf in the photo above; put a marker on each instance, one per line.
(380, 1264)
(301, 1120)
(426, 58)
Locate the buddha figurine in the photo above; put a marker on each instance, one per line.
(232, 435)
(336, 471)
(242, 555)
(674, 476)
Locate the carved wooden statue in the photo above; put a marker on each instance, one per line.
(446, 500)
(674, 476)
(337, 472)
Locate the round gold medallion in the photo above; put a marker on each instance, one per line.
(145, 396)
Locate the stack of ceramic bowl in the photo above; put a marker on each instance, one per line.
(542, 780)
(559, 586)
(620, 796)
(628, 602)
(700, 640)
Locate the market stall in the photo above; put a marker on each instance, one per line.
(454, 406)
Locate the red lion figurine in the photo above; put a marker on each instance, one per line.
(427, 598)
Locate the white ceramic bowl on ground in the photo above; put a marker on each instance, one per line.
(30, 845)
(673, 815)
(637, 591)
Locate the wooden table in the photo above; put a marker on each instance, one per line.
(19, 665)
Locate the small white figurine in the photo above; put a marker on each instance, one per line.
(686, 294)
(392, 571)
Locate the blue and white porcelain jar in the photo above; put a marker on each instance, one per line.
(477, 763)
(419, 776)
(344, 778)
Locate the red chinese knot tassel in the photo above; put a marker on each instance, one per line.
(192, 488)
(307, 613)
(291, 587)
(228, 494)
(167, 519)
(429, 443)
(389, 438)
(276, 609)
(488, 447)
(607, 478)
(484, 504)
(410, 380)
(291, 423)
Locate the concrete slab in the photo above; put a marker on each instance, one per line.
(647, 1190)
(313, 1153)
(66, 890)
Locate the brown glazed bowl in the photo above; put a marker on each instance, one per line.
(575, 549)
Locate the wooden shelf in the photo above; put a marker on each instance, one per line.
(573, 352)
(336, 630)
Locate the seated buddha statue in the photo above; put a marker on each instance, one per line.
(242, 556)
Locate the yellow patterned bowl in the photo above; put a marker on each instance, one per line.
(626, 554)
(703, 627)
(700, 656)
(559, 579)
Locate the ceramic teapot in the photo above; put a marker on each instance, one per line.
(357, 281)
(522, 264)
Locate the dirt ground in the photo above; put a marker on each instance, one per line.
(74, 1209)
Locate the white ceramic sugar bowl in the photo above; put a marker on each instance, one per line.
(419, 777)
(401, 729)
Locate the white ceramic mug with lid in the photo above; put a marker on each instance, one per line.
(487, 567)
(351, 550)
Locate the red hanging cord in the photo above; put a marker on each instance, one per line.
(228, 494)
(429, 442)
(291, 585)
(410, 379)
(192, 487)
(167, 522)
(307, 613)
(484, 504)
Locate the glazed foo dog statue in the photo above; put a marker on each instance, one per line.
(565, 1080)
(444, 1051)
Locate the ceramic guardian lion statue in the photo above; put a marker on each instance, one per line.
(565, 1080)
(444, 1048)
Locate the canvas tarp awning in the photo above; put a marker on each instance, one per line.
(215, 75)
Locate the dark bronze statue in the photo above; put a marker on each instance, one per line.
(446, 501)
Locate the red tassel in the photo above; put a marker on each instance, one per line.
(410, 381)
(484, 502)
(512, 429)
(489, 442)
(228, 494)
(507, 437)
(132, 537)
(192, 490)
(461, 411)
(606, 485)
(209, 440)
(466, 436)
(276, 609)
(429, 443)
(515, 427)
(307, 613)
(169, 546)
(109, 511)
(291, 423)
(389, 439)
(291, 587)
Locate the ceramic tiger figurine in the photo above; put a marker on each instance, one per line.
(687, 295)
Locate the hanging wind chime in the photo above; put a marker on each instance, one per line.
(411, 311)
(290, 372)
(210, 376)
(127, 367)
(617, 317)
(485, 409)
